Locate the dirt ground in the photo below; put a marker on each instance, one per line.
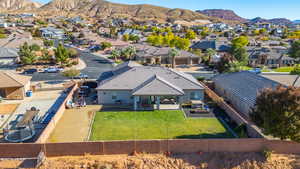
(158, 161)
(8, 108)
(74, 125)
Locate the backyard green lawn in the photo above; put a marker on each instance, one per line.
(154, 125)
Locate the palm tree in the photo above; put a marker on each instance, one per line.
(173, 52)
(209, 54)
(128, 52)
(115, 54)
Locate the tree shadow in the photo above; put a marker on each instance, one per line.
(206, 135)
(28, 163)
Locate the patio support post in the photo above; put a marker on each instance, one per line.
(135, 102)
(158, 102)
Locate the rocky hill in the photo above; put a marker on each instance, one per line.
(12, 5)
(228, 15)
(64, 4)
(279, 21)
(102, 8)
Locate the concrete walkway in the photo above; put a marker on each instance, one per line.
(74, 125)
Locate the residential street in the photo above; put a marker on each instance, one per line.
(94, 66)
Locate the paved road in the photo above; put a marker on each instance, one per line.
(94, 66)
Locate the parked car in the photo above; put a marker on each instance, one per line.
(30, 71)
(81, 76)
(53, 70)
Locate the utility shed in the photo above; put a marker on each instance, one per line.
(240, 89)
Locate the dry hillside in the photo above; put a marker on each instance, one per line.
(179, 161)
(103, 8)
(12, 5)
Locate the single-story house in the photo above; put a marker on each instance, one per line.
(147, 87)
(240, 89)
(219, 46)
(13, 86)
(53, 33)
(284, 79)
(269, 57)
(8, 56)
(154, 55)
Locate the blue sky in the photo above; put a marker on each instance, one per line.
(246, 8)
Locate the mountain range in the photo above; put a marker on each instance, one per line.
(222, 14)
(232, 16)
(11, 5)
(102, 8)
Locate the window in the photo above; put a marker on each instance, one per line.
(114, 96)
(194, 95)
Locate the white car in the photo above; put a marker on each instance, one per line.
(53, 70)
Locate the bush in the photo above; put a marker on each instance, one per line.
(105, 45)
(201, 78)
(296, 70)
(241, 131)
(74, 63)
(35, 47)
(267, 154)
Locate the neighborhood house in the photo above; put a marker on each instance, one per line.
(13, 86)
(241, 88)
(148, 87)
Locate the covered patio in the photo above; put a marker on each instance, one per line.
(156, 93)
(156, 103)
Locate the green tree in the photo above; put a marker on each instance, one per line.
(238, 50)
(190, 34)
(45, 55)
(73, 53)
(125, 37)
(112, 32)
(277, 112)
(263, 31)
(173, 53)
(182, 43)
(35, 47)
(61, 54)
(115, 54)
(26, 54)
(134, 38)
(241, 41)
(205, 32)
(105, 45)
(296, 70)
(225, 63)
(36, 33)
(128, 52)
(294, 51)
(208, 55)
(48, 43)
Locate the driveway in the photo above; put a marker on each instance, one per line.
(94, 66)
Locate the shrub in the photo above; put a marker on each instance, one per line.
(267, 154)
(201, 78)
(241, 131)
(74, 62)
